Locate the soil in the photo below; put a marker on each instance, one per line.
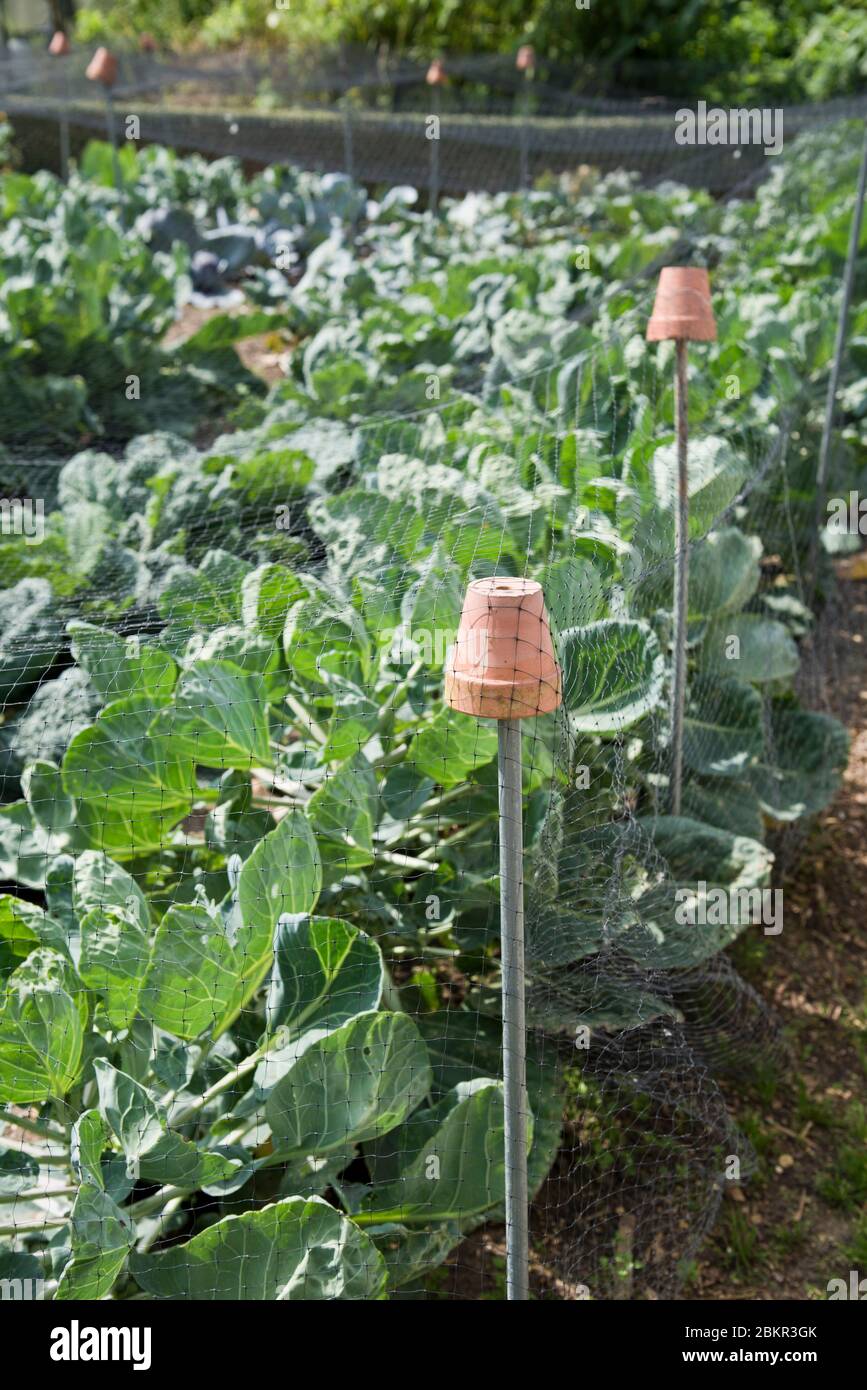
(801, 1219)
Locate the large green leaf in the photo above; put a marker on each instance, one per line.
(452, 747)
(355, 1083)
(325, 972)
(113, 961)
(102, 1236)
(343, 811)
(198, 979)
(153, 1152)
(218, 716)
(42, 1026)
(613, 673)
(282, 875)
(51, 807)
(120, 667)
(750, 647)
(700, 858)
(119, 760)
(295, 1249)
(723, 572)
(23, 927)
(801, 771)
(99, 883)
(716, 474)
(722, 730)
(435, 1180)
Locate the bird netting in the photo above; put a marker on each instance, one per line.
(250, 1044)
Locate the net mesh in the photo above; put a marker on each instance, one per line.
(251, 1038)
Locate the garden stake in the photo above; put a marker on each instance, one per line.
(60, 48)
(103, 69)
(682, 311)
(436, 78)
(503, 667)
(833, 381)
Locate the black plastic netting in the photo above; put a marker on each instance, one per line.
(250, 929)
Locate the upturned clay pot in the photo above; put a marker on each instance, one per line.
(682, 308)
(59, 45)
(526, 59)
(103, 68)
(436, 73)
(502, 665)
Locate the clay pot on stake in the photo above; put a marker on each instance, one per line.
(682, 311)
(102, 68)
(436, 79)
(60, 47)
(525, 62)
(503, 667)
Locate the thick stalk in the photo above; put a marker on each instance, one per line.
(514, 1020)
(681, 577)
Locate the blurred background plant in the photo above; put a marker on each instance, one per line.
(713, 49)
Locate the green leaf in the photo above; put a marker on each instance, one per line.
(343, 814)
(434, 1180)
(356, 1083)
(452, 746)
(50, 805)
(218, 716)
(100, 883)
(716, 475)
(102, 1236)
(86, 1145)
(153, 1152)
(18, 1172)
(295, 1249)
(267, 594)
(325, 972)
(42, 1023)
(801, 770)
(723, 572)
(613, 674)
(749, 647)
(119, 668)
(114, 958)
(23, 926)
(722, 731)
(120, 760)
(196, 981)
(282, 875)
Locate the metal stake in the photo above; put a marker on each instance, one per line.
(833, 382)
(514, 1018)
(681, 575)
(112, 139)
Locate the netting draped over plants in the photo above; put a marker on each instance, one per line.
(250, 1039)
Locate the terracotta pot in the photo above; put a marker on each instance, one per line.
(147, 43)
(682, 308)
(59, 45)
(526, 59)
(436, 73)
(103, 68)
(502, 665)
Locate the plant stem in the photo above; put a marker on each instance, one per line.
(50, 1222)
(36, 1194)
(45, 1131)
(305, 720)
(462, 834)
